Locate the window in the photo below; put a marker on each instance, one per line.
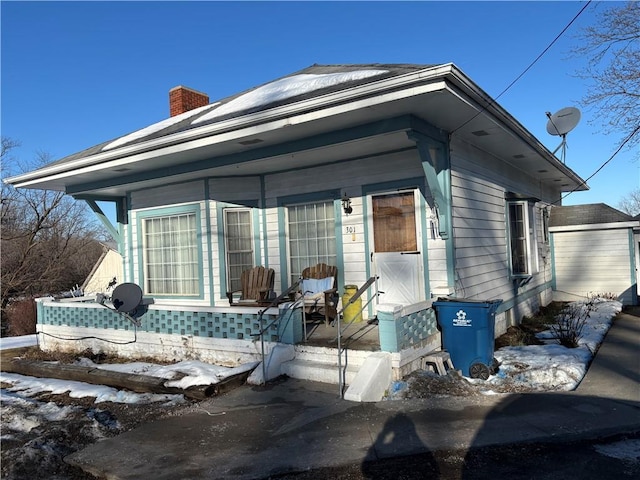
(522, 239)
(312, 236)
(394, 223)
(239, 244)
(171, 257)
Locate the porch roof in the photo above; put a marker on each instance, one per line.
(352, 111)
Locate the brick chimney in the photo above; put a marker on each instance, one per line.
(183, 99)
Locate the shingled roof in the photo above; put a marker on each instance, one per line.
(207, 115)
(588, 214)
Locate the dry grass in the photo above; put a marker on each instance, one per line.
(525, 333)
(73, 356)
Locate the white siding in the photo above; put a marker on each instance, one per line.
(346, 178)
(593, 261)
(110, 266)
(482, 266)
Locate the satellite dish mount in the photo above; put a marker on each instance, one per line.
(561, 123)
(126, 300)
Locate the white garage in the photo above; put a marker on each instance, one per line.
(595, 251)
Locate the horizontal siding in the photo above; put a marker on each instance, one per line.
(478, 186)
(167, 195)
(595, 261)
(234, 189)
(346, 176)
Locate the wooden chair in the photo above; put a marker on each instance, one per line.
(324, 300)
(256, 283)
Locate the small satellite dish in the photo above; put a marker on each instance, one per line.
(561, 123)
(126, 297)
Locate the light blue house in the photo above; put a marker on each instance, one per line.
(410, 174)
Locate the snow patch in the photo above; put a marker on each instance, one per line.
(283, 89)
(156, 127)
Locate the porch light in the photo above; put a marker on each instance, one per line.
(346, 204)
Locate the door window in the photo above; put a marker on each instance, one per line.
(394, 223)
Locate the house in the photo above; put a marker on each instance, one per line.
(106, 273)
(595, 251)
(410, 175)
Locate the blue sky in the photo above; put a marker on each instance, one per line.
(75, 74)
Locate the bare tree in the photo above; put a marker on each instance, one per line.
(630, 204)
(49, 241)
(612, 50)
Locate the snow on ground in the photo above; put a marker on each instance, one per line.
(37, 433)
(191, 373)
(18, 342)
(31, 386)
(552, 367)
(539, 368)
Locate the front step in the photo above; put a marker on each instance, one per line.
(320, 364)
(317, 371)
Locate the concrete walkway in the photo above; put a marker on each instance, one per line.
(254, 432)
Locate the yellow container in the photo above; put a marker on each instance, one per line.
(351, 312)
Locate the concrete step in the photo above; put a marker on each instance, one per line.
(313, 370)
(328, 355)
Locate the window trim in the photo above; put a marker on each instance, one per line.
(530, 238)
(336, 229)
(225, 228)
(141, 218)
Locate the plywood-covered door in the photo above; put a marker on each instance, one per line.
(397, 258)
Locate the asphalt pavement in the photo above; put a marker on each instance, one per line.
(297, 426)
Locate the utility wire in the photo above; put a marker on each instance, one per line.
(493, 101)
(584, 182)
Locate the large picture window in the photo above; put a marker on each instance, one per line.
(171, 258)
(239, 244)
(312, 236)
(522, 239)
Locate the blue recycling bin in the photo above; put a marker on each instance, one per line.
(468, 331)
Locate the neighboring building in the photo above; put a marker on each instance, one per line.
(595, 251)
(106, 273)
(410, 173)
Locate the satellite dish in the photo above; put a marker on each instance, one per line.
(126, 297)
(561, 123)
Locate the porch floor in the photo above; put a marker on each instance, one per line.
(357, 336)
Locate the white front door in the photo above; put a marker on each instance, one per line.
(397, 258)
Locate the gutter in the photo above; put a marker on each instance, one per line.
(238, 123)
(284, 116)
(490, 106)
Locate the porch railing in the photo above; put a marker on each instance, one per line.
(275, 302)
(342, 348)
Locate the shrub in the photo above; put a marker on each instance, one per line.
(21, 317)
(569, 323)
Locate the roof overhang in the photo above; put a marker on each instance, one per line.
(595, 226)
(357, 122)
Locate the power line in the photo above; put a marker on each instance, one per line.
(493, 101)
(584, 182)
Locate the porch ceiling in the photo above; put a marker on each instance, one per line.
(321, 135)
